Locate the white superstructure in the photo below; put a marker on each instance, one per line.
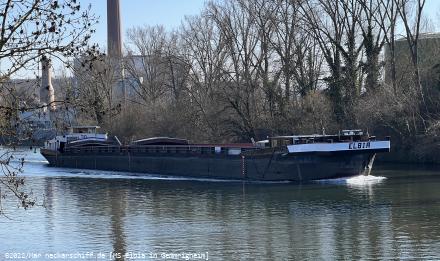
(339, 146)
(346, 140)
(76, 133)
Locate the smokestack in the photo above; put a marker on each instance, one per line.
(114, 39)
(47, 93)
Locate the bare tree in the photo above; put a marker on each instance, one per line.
(30, 30)
(411, 17)
(285, 20)
(385, 16)
(176, 67)
(335, 27)
(145, 62)
(298, 51)
(374, 36)
(154, 63)
(204, 49)
(236, 22)
(99, 91)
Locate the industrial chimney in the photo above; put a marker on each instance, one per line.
(114, 39)
(47, 93)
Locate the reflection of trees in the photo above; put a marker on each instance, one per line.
(49, 204)
(100, 209)
(280, 221)
(117, 214)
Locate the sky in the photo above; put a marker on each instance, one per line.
(169, 13)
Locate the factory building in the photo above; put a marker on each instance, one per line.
(428, 59)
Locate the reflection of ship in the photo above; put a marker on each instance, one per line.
(295, 158)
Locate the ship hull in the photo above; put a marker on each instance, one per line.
(265, 165)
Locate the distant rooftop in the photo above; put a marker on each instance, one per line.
(423, 36)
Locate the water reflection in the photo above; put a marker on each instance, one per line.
(117, 214)
(276, 221)
(392, 218)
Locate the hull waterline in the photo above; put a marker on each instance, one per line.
(269, 166)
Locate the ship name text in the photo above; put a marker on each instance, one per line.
(358, 145)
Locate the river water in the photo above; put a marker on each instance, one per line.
(97, 215)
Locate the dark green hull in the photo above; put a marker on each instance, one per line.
(258, 165)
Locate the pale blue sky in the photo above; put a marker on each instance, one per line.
(169, 13)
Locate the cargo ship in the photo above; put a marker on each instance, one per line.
(281, 158)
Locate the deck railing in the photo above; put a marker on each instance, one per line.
(157, 149)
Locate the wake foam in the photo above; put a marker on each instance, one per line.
(360, 180)
(101, 174)
(363, 180)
